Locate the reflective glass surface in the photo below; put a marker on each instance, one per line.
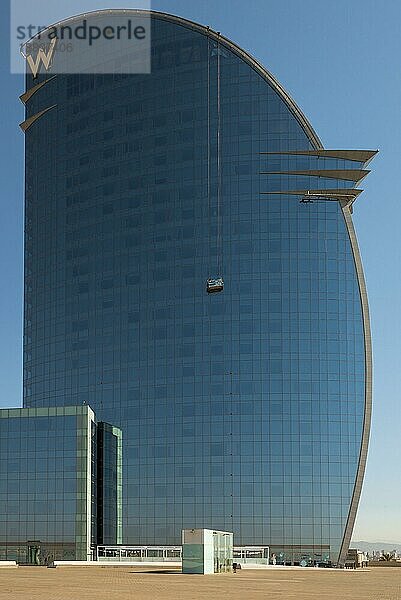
(43, 484)
(242, 410)
(109, 485)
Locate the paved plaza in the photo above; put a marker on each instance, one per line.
(140, 583)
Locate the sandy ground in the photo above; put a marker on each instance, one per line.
(136, 583)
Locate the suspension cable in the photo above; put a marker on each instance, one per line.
(219, 233)
(208, 147)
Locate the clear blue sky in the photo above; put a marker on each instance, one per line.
(341, 62)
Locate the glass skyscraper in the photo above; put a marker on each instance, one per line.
(246, 410)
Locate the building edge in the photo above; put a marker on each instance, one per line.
(368, 389)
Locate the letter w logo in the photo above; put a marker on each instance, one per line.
(42, 57)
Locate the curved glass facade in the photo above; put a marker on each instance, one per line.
(241, 411)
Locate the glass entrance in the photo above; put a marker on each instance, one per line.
(34, 553)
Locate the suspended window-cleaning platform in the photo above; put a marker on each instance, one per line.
(215, 285)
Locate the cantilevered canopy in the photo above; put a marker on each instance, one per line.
(337, 192)
(363, 156)
(25, 125)
(333, 194)
(354, 175)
